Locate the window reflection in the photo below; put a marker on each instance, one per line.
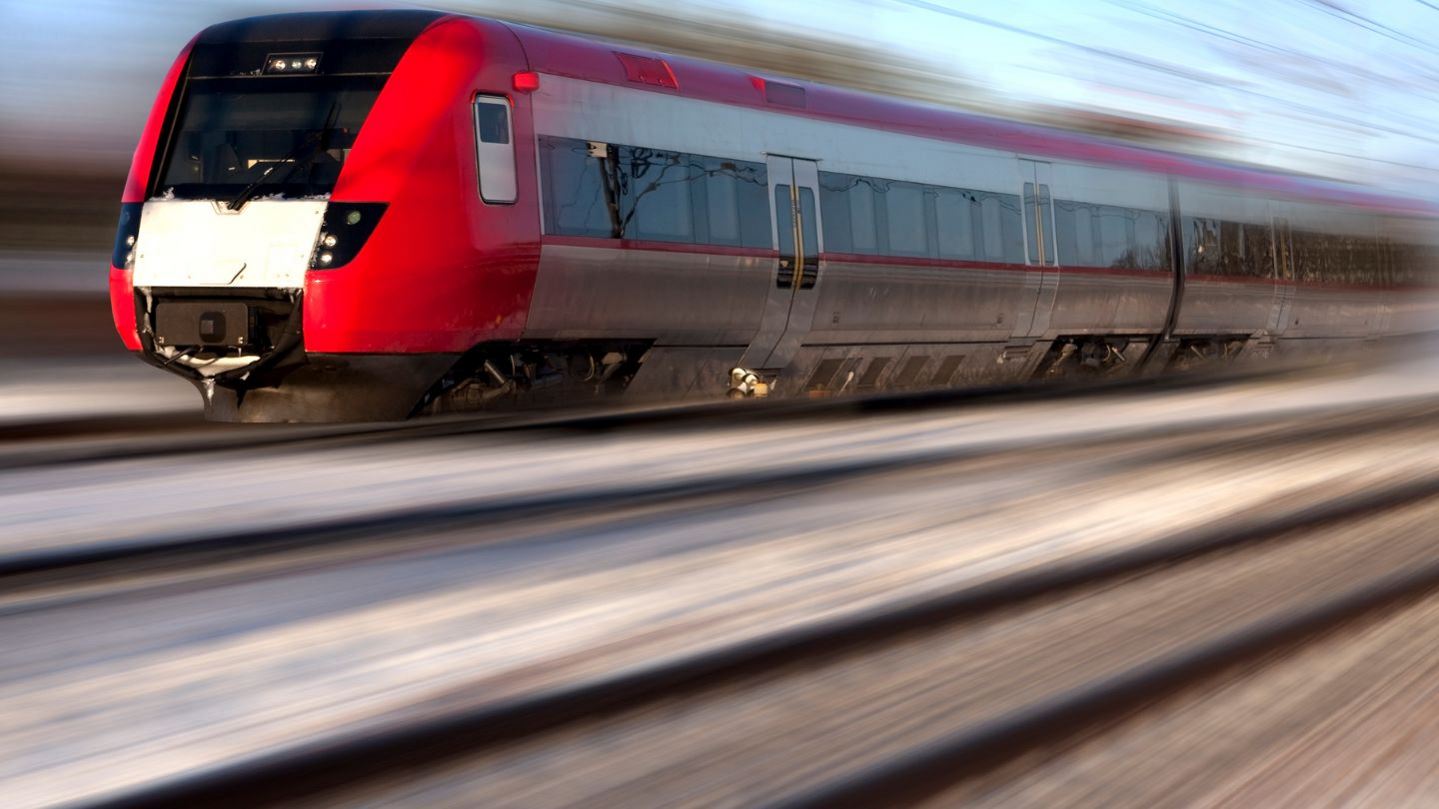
(636, 192)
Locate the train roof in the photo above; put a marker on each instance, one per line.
(595, 59)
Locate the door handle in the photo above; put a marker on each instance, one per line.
(810, 274)
(786, 272)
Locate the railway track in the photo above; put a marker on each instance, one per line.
(467, 750)
(77, 562)
(895, 615)
(97, 439)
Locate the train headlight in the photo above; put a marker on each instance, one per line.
(123, 256)
(343, 233)
(289, 63)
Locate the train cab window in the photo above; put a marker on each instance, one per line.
(495, 150)
(289, 136)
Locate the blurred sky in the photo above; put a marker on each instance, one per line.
(1335, 87)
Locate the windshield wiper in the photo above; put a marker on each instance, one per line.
(311, 147)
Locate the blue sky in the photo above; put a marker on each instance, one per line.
(1336, 87)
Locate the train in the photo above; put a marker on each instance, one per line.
(373, 215)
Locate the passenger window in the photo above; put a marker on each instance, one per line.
(495, 150)
(1151, 236)
(834, 200)
(737, 213)
(1201, 246)
(906, 220)
(851, 206)
(887, 217)
(1074, 234)
(752, 179)
(574, 197)
(1116, 237)
(1258, 251)
(657, 186)
(863, 216)
(1010, 230)
(722, 202)
(993, 232)
(955, 211)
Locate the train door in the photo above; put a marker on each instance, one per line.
(789, 307)
(1284, 286)
(1042, 280)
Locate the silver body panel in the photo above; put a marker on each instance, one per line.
(672, 297)
(886, 303)
(1226, 307)
(890, 324)
(1110, 303)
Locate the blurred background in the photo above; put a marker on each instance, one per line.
(1329, 87)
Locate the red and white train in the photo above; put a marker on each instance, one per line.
(368, 215)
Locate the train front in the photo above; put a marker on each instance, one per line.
(289, 239)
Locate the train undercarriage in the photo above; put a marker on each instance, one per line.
(245, 353)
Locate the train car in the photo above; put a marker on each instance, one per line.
(371, 215)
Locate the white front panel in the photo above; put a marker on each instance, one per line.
(199, 243)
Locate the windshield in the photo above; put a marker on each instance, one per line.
(232, 131)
